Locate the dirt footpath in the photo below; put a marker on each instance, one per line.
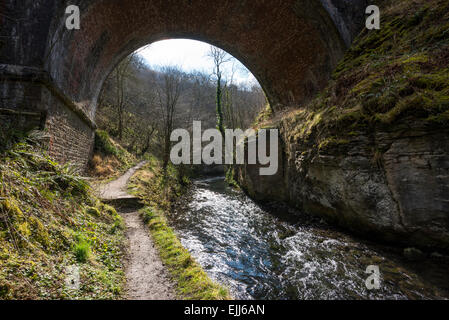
(146, 276)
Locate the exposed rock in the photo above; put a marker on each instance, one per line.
(402, 196)
(371, 151)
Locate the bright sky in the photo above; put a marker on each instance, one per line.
(191, 55)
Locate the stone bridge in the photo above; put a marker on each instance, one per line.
(52, 76)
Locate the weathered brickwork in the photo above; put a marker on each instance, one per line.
(30, 100)
(22, 120)
(20, 95)
(71, 139)
(291, 46)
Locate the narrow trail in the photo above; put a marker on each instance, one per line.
(147, 278)
(116, 189)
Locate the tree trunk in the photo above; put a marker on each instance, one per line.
(220, 125)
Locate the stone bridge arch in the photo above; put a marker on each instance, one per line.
(291, 46)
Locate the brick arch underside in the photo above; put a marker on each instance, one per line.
(290, 46)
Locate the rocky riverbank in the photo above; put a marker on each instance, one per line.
(371, 152)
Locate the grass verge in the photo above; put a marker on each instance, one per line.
(192, 282)
(159, 193)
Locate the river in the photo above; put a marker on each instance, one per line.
(278, 253)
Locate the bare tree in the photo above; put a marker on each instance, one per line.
(121, 73)
(169, 91)
(219, 57)
(146, 118)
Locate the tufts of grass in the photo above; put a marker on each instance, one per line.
(81, 249)
(192, 282)
(49, 221)
(159, 190)
(110, 159)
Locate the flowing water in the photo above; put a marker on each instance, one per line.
(259, 255)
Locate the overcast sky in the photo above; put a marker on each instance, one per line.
(191, 55)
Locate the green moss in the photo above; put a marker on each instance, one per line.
(93, 211)
(107, 209)
(436, 81)
(119, 224)
(305, 123)
(45, 206)
(40, 232)
(416, 58)
(4, 289)
(389, 76)
(417, 18)
(105, 146)
(440, 119)
(332, 142)
(263, 116)
(407, 104)
(435, 34)
(366, 85)
(350, 116)
(230, 177)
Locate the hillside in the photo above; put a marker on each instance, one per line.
(51, 225)
(131, 104)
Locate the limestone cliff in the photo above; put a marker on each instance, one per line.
(371, 152)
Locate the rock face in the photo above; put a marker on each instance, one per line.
(348, 15)
(371, 151)
(397, 192)
(417, 171)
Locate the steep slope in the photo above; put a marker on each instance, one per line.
(371, 152)
(57, 241)
(110, 159)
